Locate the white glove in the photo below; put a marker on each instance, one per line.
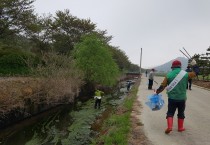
(193, 62)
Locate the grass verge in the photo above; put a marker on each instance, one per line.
(117, 126)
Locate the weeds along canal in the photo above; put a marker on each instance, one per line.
(76, 123)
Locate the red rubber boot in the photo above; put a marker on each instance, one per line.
(170, 125)
(180, 125)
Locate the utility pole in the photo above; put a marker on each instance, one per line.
(140, 62)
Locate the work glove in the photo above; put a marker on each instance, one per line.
(160, 89)
(157, 92)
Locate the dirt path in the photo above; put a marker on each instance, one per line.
(196, 122)
(137, 135)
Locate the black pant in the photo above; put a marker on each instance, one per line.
(150, 84)
(98, 103)
(172, 105)
(189, 83)
(128, 87)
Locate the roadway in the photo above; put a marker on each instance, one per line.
(197, 121)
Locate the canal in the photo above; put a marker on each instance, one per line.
(72, 124)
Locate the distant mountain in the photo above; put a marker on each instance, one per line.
(167, 66)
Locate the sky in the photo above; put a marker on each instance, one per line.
(160, 27)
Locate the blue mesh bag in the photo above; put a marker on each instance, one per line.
(155, 102)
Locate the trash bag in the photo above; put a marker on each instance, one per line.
(155, 102)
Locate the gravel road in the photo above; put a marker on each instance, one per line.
(197, 121)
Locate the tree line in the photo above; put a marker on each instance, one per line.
(203, 61)
(45, 45)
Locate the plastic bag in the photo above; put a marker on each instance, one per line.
(155, 102)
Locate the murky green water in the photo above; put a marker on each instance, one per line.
(63, 125)
(38, 130)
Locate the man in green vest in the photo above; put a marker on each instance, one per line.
(176, 83)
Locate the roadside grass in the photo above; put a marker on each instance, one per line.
(160, 74)
(204, 77)
(117, 127)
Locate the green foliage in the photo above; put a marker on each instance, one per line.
(79, 131)
(67, 31)
(56, 66)
(93, 57)
(22, 29)
(118, 125)
(203, 61)
(35, 140)
(134, 68)
(16, 16)
(14, 61)
(120, 58)
(128, 104)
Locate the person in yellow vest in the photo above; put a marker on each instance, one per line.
(97, 97)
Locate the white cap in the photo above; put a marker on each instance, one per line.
(193, 62)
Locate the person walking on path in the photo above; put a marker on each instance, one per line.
(189, 83)
(146, 73)
(176, 83)
(151, 79)
(128, 86)
(97, 97)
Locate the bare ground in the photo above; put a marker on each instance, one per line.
(137, 136)
(204, 84)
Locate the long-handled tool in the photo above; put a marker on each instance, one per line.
(155, 82)
(187, 55)
(184, 54)
(187, 52)
(156, 86)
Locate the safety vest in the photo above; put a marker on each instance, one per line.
(179, 91)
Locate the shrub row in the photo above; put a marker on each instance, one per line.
(14, 62)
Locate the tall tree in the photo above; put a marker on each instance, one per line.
(41, 34)
(120, 58)
(15, 16)
(95, 59)
(67, 30)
